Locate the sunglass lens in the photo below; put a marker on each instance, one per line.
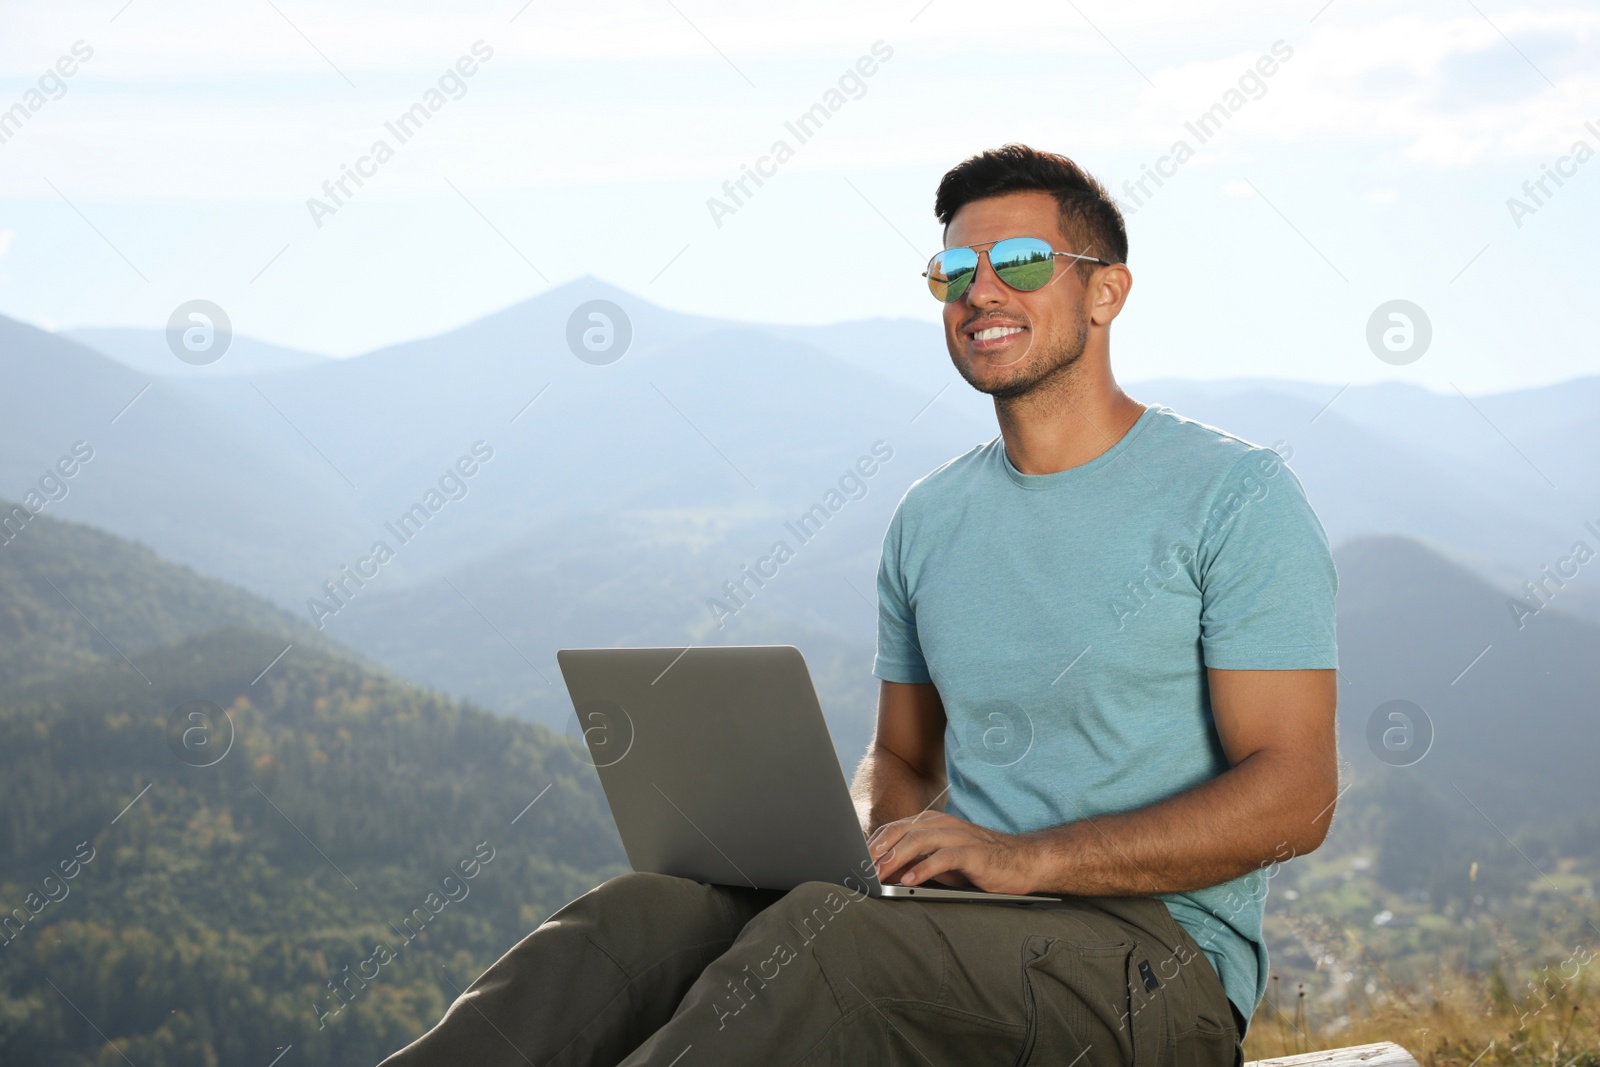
(1025, 263)
(951, 272)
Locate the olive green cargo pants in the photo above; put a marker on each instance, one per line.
(652, 969)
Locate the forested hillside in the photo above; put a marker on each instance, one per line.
(361, 850)
(72, 595)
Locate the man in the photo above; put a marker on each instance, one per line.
(1106, 658)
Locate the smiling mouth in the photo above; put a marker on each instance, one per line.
(990, 337)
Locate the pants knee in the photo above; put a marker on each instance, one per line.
(640, 884)
(639, 913)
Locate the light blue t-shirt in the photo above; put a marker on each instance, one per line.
(1068, 619)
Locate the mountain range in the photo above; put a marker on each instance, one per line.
(614, 502)
(611, 503)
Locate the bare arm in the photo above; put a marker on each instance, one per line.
(1275, 800)
(903, 770)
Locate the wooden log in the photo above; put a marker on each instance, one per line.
(1378, 1054)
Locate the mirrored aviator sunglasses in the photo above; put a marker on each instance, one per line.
(1024, 263)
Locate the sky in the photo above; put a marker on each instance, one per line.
(1364, 154)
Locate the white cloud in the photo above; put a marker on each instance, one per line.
(633, 89)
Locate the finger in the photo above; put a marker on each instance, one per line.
(884, 835)
(897, 860)
(921, 840)
(893, 860)
(903, 842)
(896, 857)
(888, 838)
(890, 831)
(954, 858)
(898, 870)
(893, 875)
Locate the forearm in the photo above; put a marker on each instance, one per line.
(887, 788)
(1260, 811)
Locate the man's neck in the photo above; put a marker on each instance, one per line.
(1067, 423)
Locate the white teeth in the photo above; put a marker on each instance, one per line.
(996, 331)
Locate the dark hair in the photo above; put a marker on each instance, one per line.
(1089, 216)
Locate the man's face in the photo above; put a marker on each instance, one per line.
(1039, 333)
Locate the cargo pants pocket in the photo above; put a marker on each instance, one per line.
(1209, 1048)
(1090, 1004)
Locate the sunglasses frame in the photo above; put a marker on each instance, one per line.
(980, 252)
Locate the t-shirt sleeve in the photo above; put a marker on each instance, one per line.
(1267, 580)
(899, 657)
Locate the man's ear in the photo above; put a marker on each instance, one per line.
(1109, 291)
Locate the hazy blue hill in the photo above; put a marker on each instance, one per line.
(1505, 445)
(242, 504)
(1515, 731)
(1547, 428)
(403, 409)
(698, 414)
(72, 596)
(909, 352)
(146, 351)
(720, 416)
(1364, 479)
(632, 578)
(1382, 458)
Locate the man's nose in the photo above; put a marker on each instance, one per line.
(986, 289)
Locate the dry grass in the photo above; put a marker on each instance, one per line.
(1459, 1020)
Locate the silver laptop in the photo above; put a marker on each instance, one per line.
(718, 766)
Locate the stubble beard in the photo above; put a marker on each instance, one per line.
(1036, 372)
